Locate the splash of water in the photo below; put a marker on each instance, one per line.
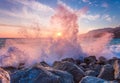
(31, 51)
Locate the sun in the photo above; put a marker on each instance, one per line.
(59, 34)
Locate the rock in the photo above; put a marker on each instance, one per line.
(4, 76)
(44, 64)
(84, 65)
(111, 61)
(71, 68)
(90, 59)
(65, 77)
(21, 66)
(69, 60)
(77, 61)
(91, 73)
(107, 72)
(102, 60)
(90, 79)
(10, 69)
(96, 67)
(117, 69)
(36, 74)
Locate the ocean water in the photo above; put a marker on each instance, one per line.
(31, 51)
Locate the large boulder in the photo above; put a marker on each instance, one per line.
(71, 68)
(90, 59)
(65, 77)
(69, 60)
(117, 69)
(102, 60)
(95, 67)
(4, 76)
(107, 72)
(91, 73)
(90, 79)
(36, 74)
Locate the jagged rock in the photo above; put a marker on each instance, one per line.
(96, 67)
(111, 61)
(40, 74)
(71, 68)
(90, 59)
(102, 60)
(77, 61)
(117, 69)
(44, 64)
(65, 77)
(84, 65)
(69, 60)
(10, 69)
(107, 72)
(36, 74)
(4, 76)
(90, 79)
(91, 73)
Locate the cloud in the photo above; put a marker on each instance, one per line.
(91, 17)
(87, 1)
(105, 5)
(29, 12)
(107, 18)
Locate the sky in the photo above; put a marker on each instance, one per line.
(26, 14)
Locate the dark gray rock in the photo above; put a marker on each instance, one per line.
(4, 76)
(44, 64)
(91, 73)
(71, 68)
(90, 79)
(69, 60)
(102, 60)
(36, 74)
(84, 65)
(65, 77)
(107, 72)
(117, 70)
(112, 61)
(90, 59)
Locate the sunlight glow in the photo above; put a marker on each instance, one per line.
(59, 34)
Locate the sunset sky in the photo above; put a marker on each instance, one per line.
(24, 14)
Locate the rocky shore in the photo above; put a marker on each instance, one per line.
(89, 70)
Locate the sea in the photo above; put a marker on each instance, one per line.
(14, 51)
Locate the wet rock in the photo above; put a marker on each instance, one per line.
(44, 64)
(107, 72)
(117, 70)
(78, 62)
(35, 74)
(96, 67)
(21, 65)
(111, 61)
(10, 69)
(90, 59)
(65, 77)
(71, 68)
(102, 60)
(69, 60)
(4, 76)
(91, 73)
(84, 65)
(90, 79)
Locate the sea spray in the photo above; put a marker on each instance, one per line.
(69, 44)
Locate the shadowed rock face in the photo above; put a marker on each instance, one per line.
(117, 70)
(4, 76)
(90, 79)
(40, 74)
(107, 72)
(65, 77)
(71, 68)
